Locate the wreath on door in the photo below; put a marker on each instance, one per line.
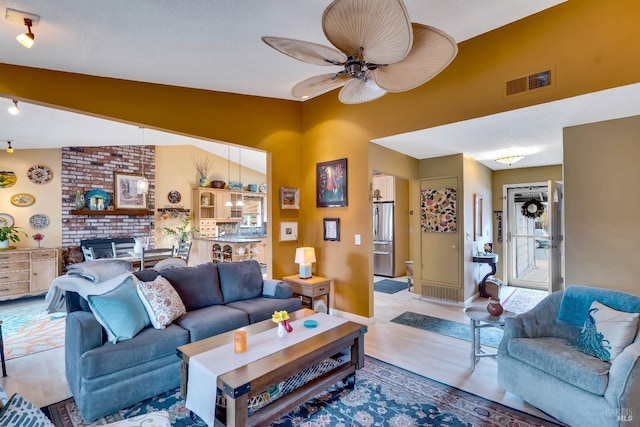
(532, 208)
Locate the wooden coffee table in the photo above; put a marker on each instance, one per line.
(239, 385)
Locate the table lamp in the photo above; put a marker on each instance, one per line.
(305, 256)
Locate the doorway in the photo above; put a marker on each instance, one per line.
(534, 239)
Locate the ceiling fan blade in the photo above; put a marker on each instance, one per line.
(433, 50)
(357, 91)
(381, 28)
(311, 53)
(318, 84)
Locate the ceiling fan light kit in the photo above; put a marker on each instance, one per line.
(378, 48)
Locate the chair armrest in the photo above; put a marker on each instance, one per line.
(276, 289)
(82, 333)
(540, 321)
(624, 381)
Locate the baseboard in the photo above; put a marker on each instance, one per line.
(353, 317)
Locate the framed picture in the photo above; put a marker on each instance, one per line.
(289, 198)
(125, 192)
(331, 184)
(288, 231)
(332, 229)
(477, 216)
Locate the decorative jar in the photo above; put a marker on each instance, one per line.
(282, 332)
(494, 308)
(79, 199)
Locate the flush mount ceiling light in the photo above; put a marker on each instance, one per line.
(14, 110)
(379, 49)
(23, 18)
(509, 160)
(9, 148)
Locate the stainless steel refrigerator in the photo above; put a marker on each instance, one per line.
(383, 258)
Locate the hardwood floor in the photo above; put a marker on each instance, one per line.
(40, 377)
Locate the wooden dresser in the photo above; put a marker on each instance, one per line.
(27, 272)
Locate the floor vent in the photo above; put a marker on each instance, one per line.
(528, 83)
(446, 293)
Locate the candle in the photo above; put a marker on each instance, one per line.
(240, 341)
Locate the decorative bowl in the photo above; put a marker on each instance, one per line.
(217, 184)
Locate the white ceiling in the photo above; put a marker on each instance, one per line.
(216, 45)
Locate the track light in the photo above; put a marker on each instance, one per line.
(9, 148)
(14, 109)
(26, 39)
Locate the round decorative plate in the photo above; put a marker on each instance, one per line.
(39, 174)
(263, 187)
(22, 199)
(39, 221)
(174, 196)
(7, 179)
(6, 220)
(97, 194)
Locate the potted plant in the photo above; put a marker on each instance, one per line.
(183, 233)
(8, 234)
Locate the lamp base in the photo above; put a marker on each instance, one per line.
(305, 271)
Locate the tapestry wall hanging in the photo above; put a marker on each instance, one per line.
(438, 210)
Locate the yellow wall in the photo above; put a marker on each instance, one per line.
(515, 176)
(602, 229)
(587, 43)
(47, 195)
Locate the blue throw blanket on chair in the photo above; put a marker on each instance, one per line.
(576, 301)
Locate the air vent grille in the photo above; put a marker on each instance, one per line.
(440, 292)
(528, 83)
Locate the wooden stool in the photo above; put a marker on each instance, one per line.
(4, 366)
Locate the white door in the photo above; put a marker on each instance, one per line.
(556, 262)
(528, 250)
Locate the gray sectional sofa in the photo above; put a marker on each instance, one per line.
(105, 377)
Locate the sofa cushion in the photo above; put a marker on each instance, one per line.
(19, 412)
(259, 309)
(162, 302)
(209, 321)
(120, 312)
(146, 275)
(197, 286)
(240, 280)
(555, 357)
(149, 344)
(606, 332)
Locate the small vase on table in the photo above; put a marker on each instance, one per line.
(282, 332)
(494, 308)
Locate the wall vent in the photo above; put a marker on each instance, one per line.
(445, 293)
(528, 83)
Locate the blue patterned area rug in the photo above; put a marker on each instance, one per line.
(488, 336)
(385, 395)
(389, 286)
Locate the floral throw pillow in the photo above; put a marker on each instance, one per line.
(606, 332)
(162, 302)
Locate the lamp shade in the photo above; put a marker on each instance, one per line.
(305, 256)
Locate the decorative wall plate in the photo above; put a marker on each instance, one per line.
(39, 174)
(174, 196)
(263, 187)
(7, 179)
(23, 199)
(6, 220)
(39, 221)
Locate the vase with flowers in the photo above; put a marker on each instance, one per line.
(282, 319)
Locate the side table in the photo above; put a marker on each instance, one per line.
(312, 288)
(480, 318)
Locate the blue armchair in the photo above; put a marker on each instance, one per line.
(536, 364)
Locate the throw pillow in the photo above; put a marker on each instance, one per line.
(606, 332)
(162, 302)
(120, 312)
(19, 412)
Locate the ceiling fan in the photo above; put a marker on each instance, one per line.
(379, 49)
